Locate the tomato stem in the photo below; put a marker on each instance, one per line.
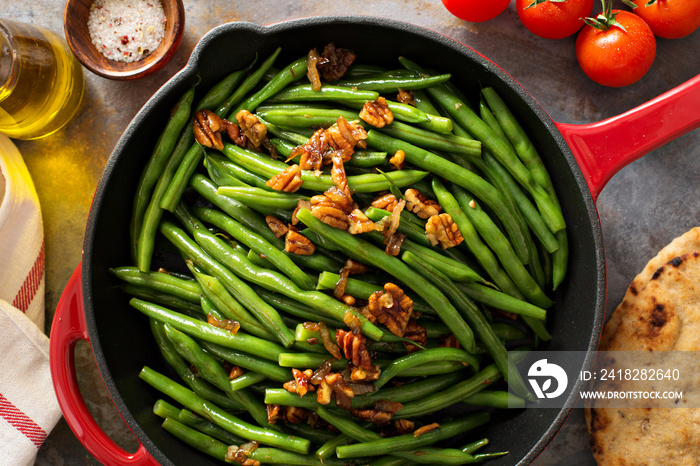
(606, 19)
(537, 2)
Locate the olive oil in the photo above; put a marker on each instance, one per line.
(41, 82)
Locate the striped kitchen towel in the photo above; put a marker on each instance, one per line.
(28, 405)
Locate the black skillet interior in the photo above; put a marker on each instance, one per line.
(120, 336)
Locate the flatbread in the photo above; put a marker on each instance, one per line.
(660, 312)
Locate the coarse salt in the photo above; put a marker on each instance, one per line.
(126, 30)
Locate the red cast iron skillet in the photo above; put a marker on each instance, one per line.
(580, 158)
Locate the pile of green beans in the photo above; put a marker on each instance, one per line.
(224, 291)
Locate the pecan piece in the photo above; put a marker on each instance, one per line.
(404, 426)
(420, 204)
(312, 60)
(405, 97)
(425, 429)
(380, 413)
(276, 225)
(236, 135)
(449, 341)
(441, 229)
(235, 372)
(417, 334)
(236, 454)
(226, 324)
(362, 374)
(273, 413)
(345, 136)
(398, 159)
(255, 131)
(335, 62)
(300, 383)
(354, 348)
(296, 243)
(301, 204)
(377, 113)
(312, 155)
(385, 201)
(294, 415)
(329, 212)
(324, 393)
(288, 180)
(392, 308)
(359, 223)
(207, 127)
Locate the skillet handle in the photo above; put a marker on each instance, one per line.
(67, 329)
(602, 149)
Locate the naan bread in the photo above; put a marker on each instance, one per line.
(660, 312)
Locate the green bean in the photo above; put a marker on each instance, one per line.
(317, 436)
(273, 281)
(500, 245)
(304, 92)
(182, 369)
(474, 446)
(250, 195)
(495, 399)
(191, 160)
(188, 290)
(220, 417)
(196, 422)
(237, 210)
(219, 176)
(307, 360)
(230, 308)
(265, 166)
(293, 72)
(473, 242)
(248, 361)
(179, 116)
(409, 441)
(203, 331)
(196, 439)
(365, 252)
(246, 380)
(423, 455)
(476, 126)
(224, 165)
(164, 299)
(432, 140)
(409, 391)
(475, 319)
(326, 450)
(257, 243)
(501, 301)
(239, 289)
(458, 175)
(177, 185)
(280, 396)
(248, 84)
(529, 211)
(306, 116)
(209, 369)
(426, 356)
(451, 395)
(385, 82)
(296, 135)
(295, 308)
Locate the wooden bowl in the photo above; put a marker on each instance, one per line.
(75, 19)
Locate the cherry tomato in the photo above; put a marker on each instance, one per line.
(553, 20)
(476, 11)
(615, 57)
(670, 19)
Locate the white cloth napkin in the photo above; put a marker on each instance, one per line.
(28, 405)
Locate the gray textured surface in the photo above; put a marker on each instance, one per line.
(642, 208)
